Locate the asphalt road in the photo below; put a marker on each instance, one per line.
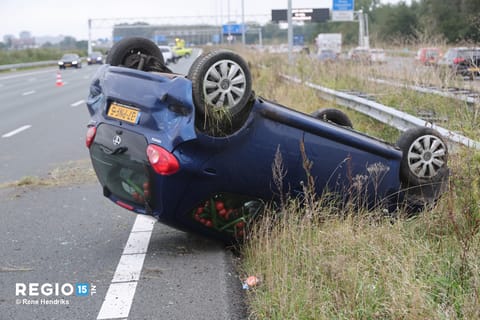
(65, 248)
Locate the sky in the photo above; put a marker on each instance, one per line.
(64, 17)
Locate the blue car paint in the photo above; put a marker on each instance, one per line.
(343, 161)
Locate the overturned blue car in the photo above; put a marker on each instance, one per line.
(202, 153)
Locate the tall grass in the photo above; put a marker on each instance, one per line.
(316, 262)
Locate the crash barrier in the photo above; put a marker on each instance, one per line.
(395, 118)
(27, 65)
(464, 95)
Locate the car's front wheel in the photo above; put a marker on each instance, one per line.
(423, 167)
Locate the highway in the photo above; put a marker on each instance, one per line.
(64, 245)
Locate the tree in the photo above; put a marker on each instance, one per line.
(68, 43)
(395, 22)
(457, 20)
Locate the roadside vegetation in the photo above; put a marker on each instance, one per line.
(38, 54)
(318, 262)
(65, 174)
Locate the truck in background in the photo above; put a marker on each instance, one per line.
(329, 41)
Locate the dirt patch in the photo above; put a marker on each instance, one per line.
(66, 174)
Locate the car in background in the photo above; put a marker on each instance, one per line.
(428, 56)
(327, 55)
(360, 54)
(377, 55)
(182, 51)
(70, 60)
(95, 57)
(460, 61)
(168, 55)
(202, 153)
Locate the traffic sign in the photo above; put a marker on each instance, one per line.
(342, 5)
(313, 15)
(235, 29)
(342, 10)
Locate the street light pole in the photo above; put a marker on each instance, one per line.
(89, 49)
(243, 22)
(290, 32)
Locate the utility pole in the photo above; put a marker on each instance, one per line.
(229, 37)
(89, 50)
(363, 37)
(290, 32)
(243, 22)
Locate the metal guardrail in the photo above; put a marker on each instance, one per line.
(27, 65)
(464, 95)
(383, 113)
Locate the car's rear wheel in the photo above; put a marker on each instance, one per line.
(333, 115)
(137, 53)
(221, 89)
(425, 156)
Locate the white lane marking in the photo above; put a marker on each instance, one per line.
(118, 300)
(129, 268)
(28, 93)
(76, 104)
(24, 75)
(14, 132)
(121, 291)
(137, 242)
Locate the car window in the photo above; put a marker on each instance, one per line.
(469, 53)
(70, 56)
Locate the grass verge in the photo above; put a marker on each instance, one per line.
(315, 263)
(66, 174)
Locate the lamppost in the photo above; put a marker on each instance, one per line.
(243, 22)
(290, 32)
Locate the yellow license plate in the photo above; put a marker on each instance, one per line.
(121, 112)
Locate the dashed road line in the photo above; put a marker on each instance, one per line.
(28, 93)
(16, 131)
(121, 292)
(76, 104)
(24, 75)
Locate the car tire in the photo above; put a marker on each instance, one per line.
(221, 90)
(333, 115)
(424, 161)
(193, 66)
(124, 52)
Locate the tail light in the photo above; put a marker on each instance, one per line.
(458, 60)
(90, 136)
(162, 161)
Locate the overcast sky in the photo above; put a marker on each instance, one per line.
(66, 17)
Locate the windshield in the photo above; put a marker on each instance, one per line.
(469, 53)
(69, 56)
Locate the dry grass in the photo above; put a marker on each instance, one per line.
(347, 76)
(70, 173)
(316, 263)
